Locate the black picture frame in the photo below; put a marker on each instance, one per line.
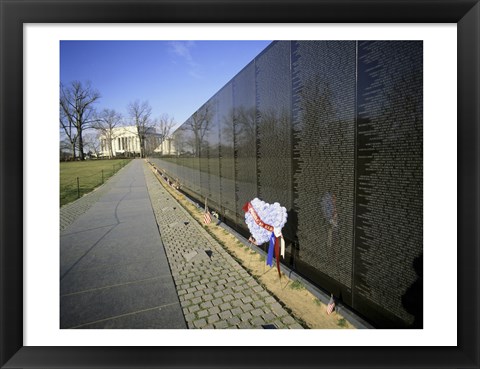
(466, 13)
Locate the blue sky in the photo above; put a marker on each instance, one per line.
(176, 77)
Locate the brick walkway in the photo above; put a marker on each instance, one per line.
(214, 290)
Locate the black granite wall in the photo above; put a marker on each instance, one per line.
(333, 131)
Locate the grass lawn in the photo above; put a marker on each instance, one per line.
(90, 174)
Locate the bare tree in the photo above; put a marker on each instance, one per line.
(165, 125)
(105, 123)
(70, 134)
(245, 125)
(66, 152)
(179, 141)
(140, 114)
(198, 124)
(92, 143)
(77, 111)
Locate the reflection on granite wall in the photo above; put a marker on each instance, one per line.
(333, 131)
(244, 112)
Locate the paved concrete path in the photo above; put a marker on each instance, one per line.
(113, 269)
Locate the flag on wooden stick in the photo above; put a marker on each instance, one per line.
(207, 218)
(331, 305)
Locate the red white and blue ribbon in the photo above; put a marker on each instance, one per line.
(276, 244)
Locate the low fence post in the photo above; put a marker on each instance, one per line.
(78, 187)
(102, 176)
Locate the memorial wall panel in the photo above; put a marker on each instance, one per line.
(323, 75)
(169, 165)
(273, 100)
(213, 142)
(245, 136)
(193, 162)
(389, 223)
(227, 168)
(184, 153)
(189, 159)
(203, 120)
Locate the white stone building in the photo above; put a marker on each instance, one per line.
(167, 147)
(125, 142)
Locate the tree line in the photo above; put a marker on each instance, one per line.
(82, 125)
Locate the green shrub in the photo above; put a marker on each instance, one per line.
(297, 285)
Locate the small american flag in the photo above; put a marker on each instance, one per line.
(207, 218)
(331, 305)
